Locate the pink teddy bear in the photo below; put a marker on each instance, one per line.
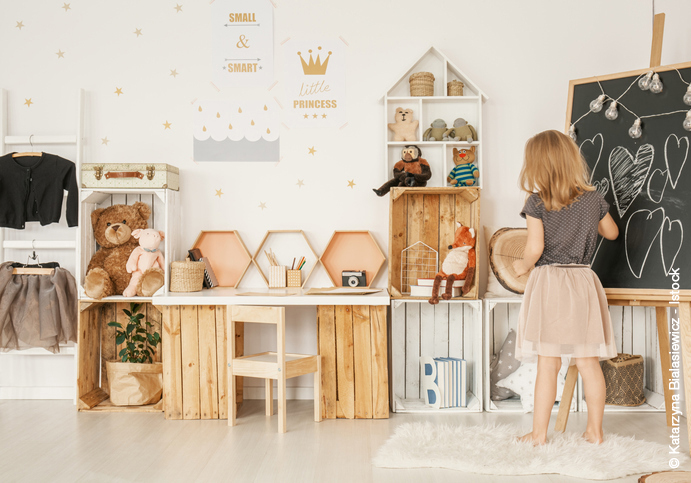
(146, 264)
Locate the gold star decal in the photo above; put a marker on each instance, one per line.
(312, 150)
(28, 102)
(137, 32)
(306, 116)
(105, 140)
(300, 183)
(324, 116)
(66, 6)
(20, 24)
(60, 54)
(166, 125)
(262, 205)
(351, 183)
(118, 91)
(314, 115)
(178, 7)
(174, 73)
(219, 193)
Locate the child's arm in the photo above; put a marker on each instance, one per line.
(607, 228)
(534, 246)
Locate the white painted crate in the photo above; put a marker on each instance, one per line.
(165, 216)
(450, 329)
(500, 316)
(635, 332)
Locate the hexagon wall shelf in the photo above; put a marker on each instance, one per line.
(227, 255)
(287, 245)
(352, 250)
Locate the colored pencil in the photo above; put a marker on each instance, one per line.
(292, 267)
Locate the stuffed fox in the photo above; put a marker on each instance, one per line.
(458, 265)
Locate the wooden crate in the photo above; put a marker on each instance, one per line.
(429, 215)
(97, 345)
(195, 361)
(352, 342)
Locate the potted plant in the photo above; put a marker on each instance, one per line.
(135, 379)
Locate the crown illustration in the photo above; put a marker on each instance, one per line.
(314, 68)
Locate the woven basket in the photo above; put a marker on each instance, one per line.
(454, 88)
(421, 84)
(624, 380)
(186, 276)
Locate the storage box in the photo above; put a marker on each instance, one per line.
(130, 176)
(294, 278)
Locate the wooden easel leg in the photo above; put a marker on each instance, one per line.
(665, 358)
(566, 397)
(685, 322)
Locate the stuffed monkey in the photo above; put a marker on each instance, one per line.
(411, 170)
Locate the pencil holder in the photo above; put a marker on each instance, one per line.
(294, 278)
(277, 276)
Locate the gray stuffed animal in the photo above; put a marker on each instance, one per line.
(461, 131)
(436, 131)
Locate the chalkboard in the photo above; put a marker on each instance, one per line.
(645, 180)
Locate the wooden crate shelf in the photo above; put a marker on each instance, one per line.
(352, 250)
(429, 215)
(227, 254)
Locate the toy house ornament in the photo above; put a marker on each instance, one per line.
(430, 109)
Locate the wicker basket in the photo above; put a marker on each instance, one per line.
(421, 84)
(186, 276)
(624, 380)
(454, 88)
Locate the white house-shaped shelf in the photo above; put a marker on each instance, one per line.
(426, 109)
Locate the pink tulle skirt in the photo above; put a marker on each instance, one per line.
(564, 313)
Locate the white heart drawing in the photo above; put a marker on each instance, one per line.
(651, 180)
(664, 231)
(674, 179)
(628, 175)
(602, 186)
(638, 238)
(598, 143)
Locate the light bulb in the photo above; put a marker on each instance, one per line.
(687, 96)
(644, 82)
(687, 121)
(572, 133)
(656, 84)
(612, 113)
(596, 104)
(635, 131)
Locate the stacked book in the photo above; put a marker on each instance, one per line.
(444, 381)
(424, 288)
(210, 280)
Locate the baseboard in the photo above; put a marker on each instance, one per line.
(257, 392)
(37, 392)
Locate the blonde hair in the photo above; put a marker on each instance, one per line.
(555, 169)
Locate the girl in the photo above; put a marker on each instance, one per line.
(564, 310)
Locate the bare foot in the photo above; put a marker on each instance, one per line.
(593, 437)
(533, 439)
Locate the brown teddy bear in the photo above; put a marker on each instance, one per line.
(113, 226)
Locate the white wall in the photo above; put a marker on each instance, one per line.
(521, 54)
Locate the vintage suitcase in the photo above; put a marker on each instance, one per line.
(130, 176)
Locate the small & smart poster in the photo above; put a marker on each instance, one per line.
(315, 83)
(243, 39)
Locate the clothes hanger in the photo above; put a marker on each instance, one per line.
(33, 270)
(28, 153)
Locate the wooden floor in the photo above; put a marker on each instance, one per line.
(44, 441)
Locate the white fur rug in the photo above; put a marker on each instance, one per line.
(493, 450)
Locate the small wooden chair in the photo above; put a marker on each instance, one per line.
(269, 365)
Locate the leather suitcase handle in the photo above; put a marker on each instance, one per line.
(124, 174)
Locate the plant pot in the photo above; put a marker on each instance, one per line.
(134, 384)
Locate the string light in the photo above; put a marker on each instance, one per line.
(612, 113)
(644, 82)
(596, 104)
(635, 131)
(656, 84)
(687, 96)
(687, 121)
(572, 132)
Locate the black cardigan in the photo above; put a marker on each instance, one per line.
(31, 189)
